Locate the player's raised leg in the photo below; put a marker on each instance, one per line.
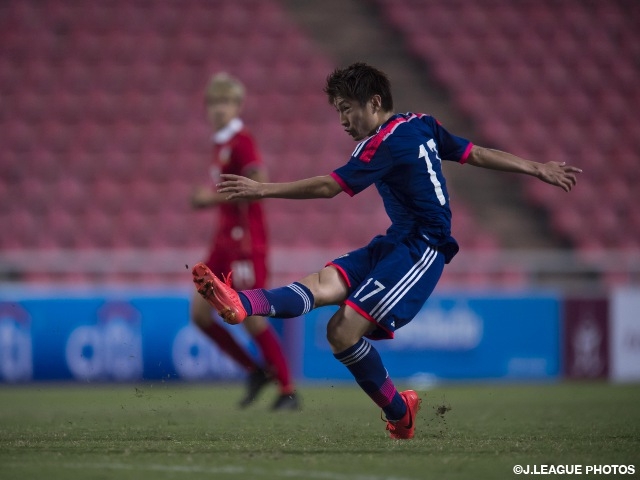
(326, 287)
(298, 298)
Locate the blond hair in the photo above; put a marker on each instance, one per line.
(224, 85)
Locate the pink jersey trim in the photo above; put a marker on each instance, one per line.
(372, 147)
(360, 311)
(340, 271)
(366, 315)
(342, 184)
(466, 153)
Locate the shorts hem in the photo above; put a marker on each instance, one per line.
(383, 332)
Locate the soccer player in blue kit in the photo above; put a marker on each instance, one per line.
(382, 286)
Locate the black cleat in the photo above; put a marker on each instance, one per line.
(256, 382)
(287, 402)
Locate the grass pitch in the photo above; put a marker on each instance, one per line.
(182, 431)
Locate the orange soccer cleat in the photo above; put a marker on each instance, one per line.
(219, 294)
(406, 426)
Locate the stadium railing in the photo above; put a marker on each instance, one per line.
(568, 270)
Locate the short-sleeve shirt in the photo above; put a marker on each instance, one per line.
(403, 159)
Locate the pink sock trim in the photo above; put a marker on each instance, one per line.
(258, 301)
(384, 396)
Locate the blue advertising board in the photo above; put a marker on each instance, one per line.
(457, 337)
(106, 335)
(124, 334)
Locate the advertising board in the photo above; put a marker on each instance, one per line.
(458, 336)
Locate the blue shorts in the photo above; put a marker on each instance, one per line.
(390, 280)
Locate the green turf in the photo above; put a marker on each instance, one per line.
(181, 431)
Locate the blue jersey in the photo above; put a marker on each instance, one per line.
(404, 161)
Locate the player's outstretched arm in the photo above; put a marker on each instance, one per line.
(237, 187)
(555, 173)
(203, 197)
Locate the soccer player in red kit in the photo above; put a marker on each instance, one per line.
(240, 242)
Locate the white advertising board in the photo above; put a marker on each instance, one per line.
(624, 337)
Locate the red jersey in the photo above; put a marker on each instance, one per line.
(240, 229)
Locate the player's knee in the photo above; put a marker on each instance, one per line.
(339, 337)
(327, 287)
(333, 337)
(346, 328)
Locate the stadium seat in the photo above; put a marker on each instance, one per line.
(26, 228)
(117, 165)
(564, 93)
(71, 195)
(111, 119)
(109, 195)
(89, 136)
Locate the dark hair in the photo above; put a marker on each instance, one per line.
(359, 82)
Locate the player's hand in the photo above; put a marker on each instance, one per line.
(238, 187)
(559, 174)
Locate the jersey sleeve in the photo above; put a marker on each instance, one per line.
(357, 174)
(451, 147)
(245, 155)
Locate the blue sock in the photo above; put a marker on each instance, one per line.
(365, 364)
(284, 302)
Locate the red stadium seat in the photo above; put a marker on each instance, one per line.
(113, 124)
(110, 195)
(552, 75)
(71, 194)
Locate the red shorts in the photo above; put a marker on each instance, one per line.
(248, 272)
